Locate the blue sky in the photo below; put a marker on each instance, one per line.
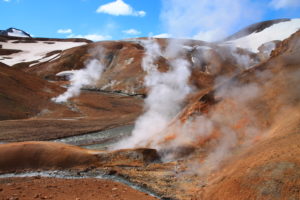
(119, 19)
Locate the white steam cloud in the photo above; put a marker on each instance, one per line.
(83, 77)
(208, 20)
(222, 126)
(167, 91)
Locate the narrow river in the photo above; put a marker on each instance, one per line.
(101, 140)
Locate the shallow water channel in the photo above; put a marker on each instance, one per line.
(101, 140)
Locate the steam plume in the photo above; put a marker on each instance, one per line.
(83, 77)
(167, 91)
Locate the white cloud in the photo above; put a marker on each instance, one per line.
(140, 13)
(132, 32)
(207, 19)
(94, 37)
(279, 4)
(162, 35)
(119, 7)
(64, 31)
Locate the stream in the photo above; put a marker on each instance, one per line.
(101, 140)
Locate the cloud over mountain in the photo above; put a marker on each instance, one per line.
(132, 32)
(94, 37)
(64, 31)
(119, 8)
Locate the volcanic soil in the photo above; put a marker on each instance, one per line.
(66, 189)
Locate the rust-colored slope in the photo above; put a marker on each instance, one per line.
(268, 170)
(23, 95)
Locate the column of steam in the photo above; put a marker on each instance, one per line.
(83, 77)
(167, 91)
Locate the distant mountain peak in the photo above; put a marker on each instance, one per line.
(14, 32)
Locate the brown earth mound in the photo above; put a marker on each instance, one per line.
(50, 155)
(43, 155)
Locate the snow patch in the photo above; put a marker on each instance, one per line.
(34, 51)
(17, 33)
(279, 31)
(129, 61)
(47, 59)
(111, 84)
(66, 73)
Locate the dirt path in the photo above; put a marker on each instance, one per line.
(67, 189)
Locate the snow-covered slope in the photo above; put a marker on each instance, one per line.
(17, 33)
(278, 31)
(14, 32)
(34, 51)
